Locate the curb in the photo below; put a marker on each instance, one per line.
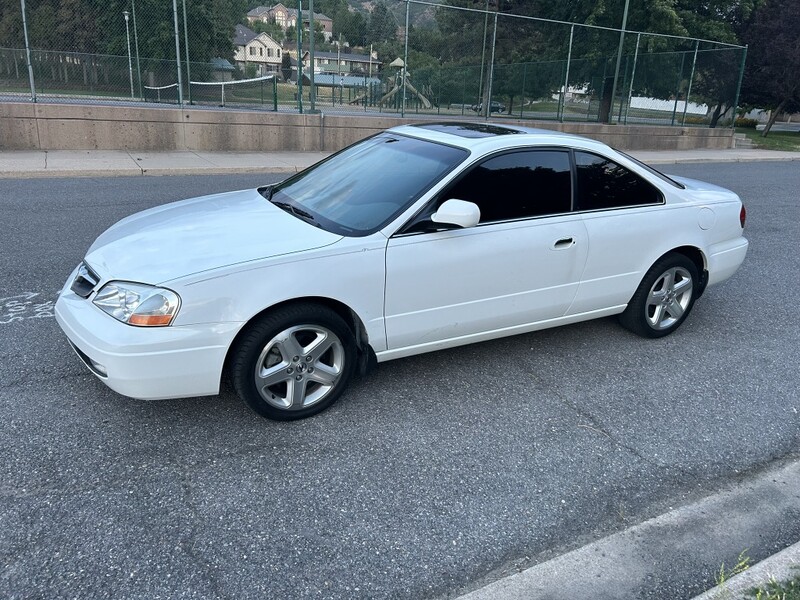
(42, 173)
(11, 173)
(737, 159)
(781, 566)
(676, 552)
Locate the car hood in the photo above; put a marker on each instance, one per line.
(191, 236)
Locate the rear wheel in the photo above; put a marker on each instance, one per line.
(294, 363)
(664, 298)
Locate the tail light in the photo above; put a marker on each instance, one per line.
(742, 216)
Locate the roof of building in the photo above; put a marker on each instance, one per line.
(242, 35)
(347, 56)
(262, 11)
(222, 64)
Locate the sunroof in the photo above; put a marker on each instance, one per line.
(469, 130)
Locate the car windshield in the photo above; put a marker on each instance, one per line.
(365, 186)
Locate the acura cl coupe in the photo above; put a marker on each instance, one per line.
(419, 238)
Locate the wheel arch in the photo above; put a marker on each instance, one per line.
(697, 256)
(366, 354)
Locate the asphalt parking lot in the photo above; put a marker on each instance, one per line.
(436, 473)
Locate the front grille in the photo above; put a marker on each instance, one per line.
(85, 281)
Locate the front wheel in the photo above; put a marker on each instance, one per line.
(294, 363)
(664, 298)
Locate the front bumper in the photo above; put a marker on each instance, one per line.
(147, 363)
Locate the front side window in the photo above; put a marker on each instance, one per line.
(360, 189)
(518, 185)
(603, 184)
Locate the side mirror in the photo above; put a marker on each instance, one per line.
(457, 212)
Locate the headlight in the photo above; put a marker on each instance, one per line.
(138, 304)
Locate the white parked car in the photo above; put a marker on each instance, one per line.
(420, 238)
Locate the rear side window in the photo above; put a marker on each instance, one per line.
(602, 183)
(517, 185)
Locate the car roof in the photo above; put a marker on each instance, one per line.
(484, 137)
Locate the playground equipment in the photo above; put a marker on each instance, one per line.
(403, 74)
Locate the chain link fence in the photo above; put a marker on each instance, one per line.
(403, 57)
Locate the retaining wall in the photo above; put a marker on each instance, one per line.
(26, 126)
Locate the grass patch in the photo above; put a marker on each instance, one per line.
(775, 140)
(777, 590)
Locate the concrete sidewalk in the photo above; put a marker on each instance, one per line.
(751, 515)
(108, 163)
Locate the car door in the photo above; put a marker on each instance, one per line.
(521, 264)
(625, 235)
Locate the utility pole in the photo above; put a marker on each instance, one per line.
(126, 14)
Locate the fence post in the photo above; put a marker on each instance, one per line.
(405, 63)
(136, 47)
(177, 50)
(464, 91)
(524, 77)
(186, 49)
(488, 108)
(691, 77)
(678, 89)
(483, 51)
(298, 29)
(562, 100)
(619, 59)
(312, 90)
(738, 88)
(275, 92)
(28, 51)
(633, 74)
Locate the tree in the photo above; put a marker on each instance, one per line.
(271, 28)
(286, 66)
(772, 75)
(382, 26)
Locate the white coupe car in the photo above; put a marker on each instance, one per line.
(419, 238)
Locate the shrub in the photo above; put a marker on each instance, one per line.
(749, 123)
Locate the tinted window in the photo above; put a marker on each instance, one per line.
(517, 185)
(603, 183)
(650, 169)
(363, 187)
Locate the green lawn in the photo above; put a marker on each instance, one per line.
(775, 140)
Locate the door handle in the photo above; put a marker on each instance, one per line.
(564, 243)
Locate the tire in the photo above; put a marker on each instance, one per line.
(664, 298)
(293, 363)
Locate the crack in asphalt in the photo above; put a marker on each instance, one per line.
(187, 542)
(597, 426)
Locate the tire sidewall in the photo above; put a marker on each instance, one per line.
(634, 317)
(258, 334)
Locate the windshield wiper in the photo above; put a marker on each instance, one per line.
(290, 208)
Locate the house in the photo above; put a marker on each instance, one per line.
(256, 49)
(287, 17)
(343, 63)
